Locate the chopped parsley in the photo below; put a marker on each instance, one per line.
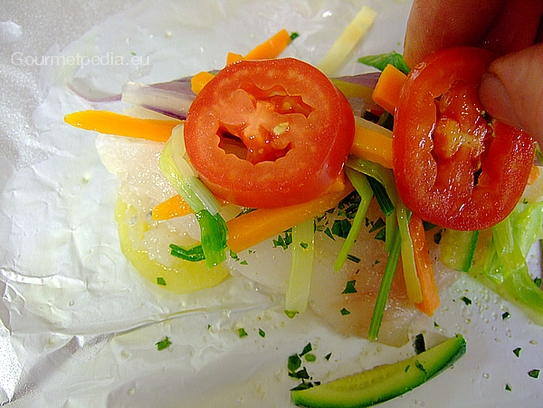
(517, 351)
(304, 245)
(419, 344)
(160, 281)
(261, 333)
(506, 315)
(349, 288)
(163, 344)
(344, 312)
(298, 371)
(309, 357)
(242, 333)
(290, 314)
(341, 228)
(466, 300)
(327, 357)
(534, 373)
(508, 387)
(283, 241)
(353, 258)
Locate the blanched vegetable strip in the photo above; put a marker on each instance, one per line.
(173, 103)
(507, 247)
(299, 282)
(425, 271)
(517, 286)
(412, 283)
(458, 249)
(171, 208)
(384, 288)
(353, 90)
(372, 142)
(272, 47)
(174, 166)
(388, 88)
(122, 125)
(350, 37)
(256, 226)
(213, 233)
(360, 183)
(195, 193)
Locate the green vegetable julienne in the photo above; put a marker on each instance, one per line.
(380, 61)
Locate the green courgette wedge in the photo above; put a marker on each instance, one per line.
(384, 382)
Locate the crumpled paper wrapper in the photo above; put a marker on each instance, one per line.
(79, 326)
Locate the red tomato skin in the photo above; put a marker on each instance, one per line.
(443, 190)
(318, 139)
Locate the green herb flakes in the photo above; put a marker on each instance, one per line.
(506, 315)
(261, 333)
(534, 373)
(328, 356)
(242, 333)
(349, 288)
(290, 314)
(344, 312)
(294, 363)
(419, 344)
(283, 241)
(163, 344)
(466, 300)
(160, 281)
(341, 228)
(517, 351)
(310, 358)
(508, 387)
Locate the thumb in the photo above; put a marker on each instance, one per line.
(512, 90)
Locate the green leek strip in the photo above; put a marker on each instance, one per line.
(391, 229)
(303, 251)
(412, 283)
(507, 248)
(500, 268)
(381, 174)
(381, 196)
(193, 254)
(458, 249)
(384, 289)
(213, 228)
(362, 186)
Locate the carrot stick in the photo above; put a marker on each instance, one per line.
(425, 272)
(372, 142)
(256, 226)
(122, 125)
(176, 206)
(198, 81)
(270, 48)
(534, 174)
(232, 57)
(388, 88)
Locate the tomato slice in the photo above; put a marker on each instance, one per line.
(452, 166)
(269, 133)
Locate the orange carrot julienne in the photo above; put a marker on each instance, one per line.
(232, 57)
(175, 206)
(534, 174)
(373, 146)
(198, 81)
(388, 88)
(270, 48)
(425, 272)
(122, 125)
(256, 226)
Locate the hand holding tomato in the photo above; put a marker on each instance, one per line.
(511, 90)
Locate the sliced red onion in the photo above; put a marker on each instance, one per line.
(171, 98)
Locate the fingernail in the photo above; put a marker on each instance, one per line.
(496, 100)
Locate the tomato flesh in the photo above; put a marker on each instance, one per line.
(452, 166)
(269, 133)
